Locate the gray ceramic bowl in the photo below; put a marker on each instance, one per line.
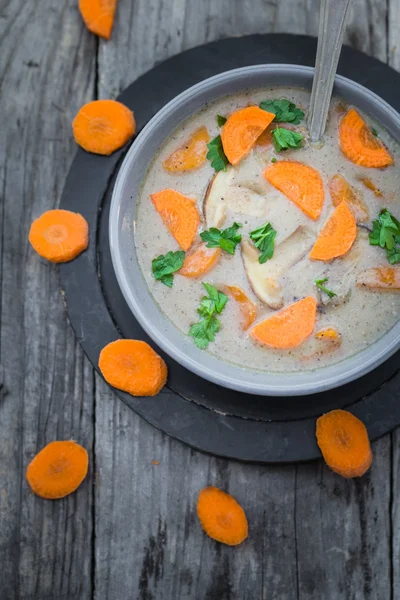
(130, 278)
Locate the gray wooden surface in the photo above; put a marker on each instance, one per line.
(130, 531)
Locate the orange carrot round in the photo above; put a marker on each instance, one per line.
(359, 144)
(180, 215)
(240, 132)
(191, 155)
(103, 126)
(98, 16)
(247, 307)
(343, 441)
(221, 516)
(199, 260)
(134, 367)
(300, 183)
(341, 191)
(289, 327)
(59, 235)
(337, 235)
(58, 469)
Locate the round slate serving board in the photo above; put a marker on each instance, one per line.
(193, 410)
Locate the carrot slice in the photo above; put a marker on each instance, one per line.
(59, 235)
(265, 139)
(329, 339)
(98, 16)
(300, 183)
(289, 327)
(383, 279)
(359, 144)
(371, 186)
(199, 260)
(134, 367)
(341, 191)
(179, 214)
(190, 155)
(337, 235)
(58, 469)
(240, 132)
(221, 516)
(329, 334)
(247, 307)
(343, 441)
(103, 126)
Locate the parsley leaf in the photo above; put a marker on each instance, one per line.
(393, 255)
(227, 239)
(264, 240)
(204, 330)
(284, 139)
(386, 234)
(221, 120)
(374, 132)
(320, 284)
(284, 111)
(216, 154)
(163, 267)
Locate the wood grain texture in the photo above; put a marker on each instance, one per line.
(47, 71)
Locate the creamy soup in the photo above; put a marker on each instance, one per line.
(363, 308)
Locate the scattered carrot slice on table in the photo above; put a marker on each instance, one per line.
(337, 235)
(180, 215)
(359, 144)
(58, 469)
(384, 279)
(221, 516)
(98, 16)
(241, 130)
(191, 155)
(289, 327)
(199, 260)
(300, 183)
(247, 308)
(103, 126)
(341, 191)
(59, 235)
(343, 441)
(134, 367)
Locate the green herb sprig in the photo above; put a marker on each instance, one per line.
(320, 284)
(164, 266)
(203, 332)
(284, 111)
(386, 234)
(216, 154)
(221, 120)
(284, 139)
(264, 240)
(227, 239)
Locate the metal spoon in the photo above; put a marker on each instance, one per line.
(332, 25)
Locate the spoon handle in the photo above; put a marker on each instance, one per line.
(332, 25)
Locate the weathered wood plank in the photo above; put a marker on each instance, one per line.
(47, 71)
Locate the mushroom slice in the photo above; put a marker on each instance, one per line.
(380, 279)
(265, 279)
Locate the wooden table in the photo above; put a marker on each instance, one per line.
(131, 530)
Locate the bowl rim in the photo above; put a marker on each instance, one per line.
(201, 362)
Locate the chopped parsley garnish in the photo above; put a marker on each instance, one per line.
(386, 234)
(264, 240)
(203, 332)
(273, 160)
(221, 120)
(227, 239)
(164, 266)
(284, 139)
(216, 154)
(374, 131)
(284, 111)
(320, 284)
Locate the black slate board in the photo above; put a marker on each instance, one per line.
(199, 413)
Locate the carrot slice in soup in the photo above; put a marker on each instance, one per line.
(359, 144)
(371, 186)
(289, 327)
(199, 260)
(383, 279)
(58, 469)
(329, 334)
(59, 235)
(265, 139)
(221, 516)
(179, 214)
(342, 191)
(103, 126)
(247, 308)
(191, 155)
(300, 183)
(98, 16)
(343, 441)
(337, 235)
(134, 367)
(240, 132)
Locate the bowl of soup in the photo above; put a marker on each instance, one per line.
(259, 260)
